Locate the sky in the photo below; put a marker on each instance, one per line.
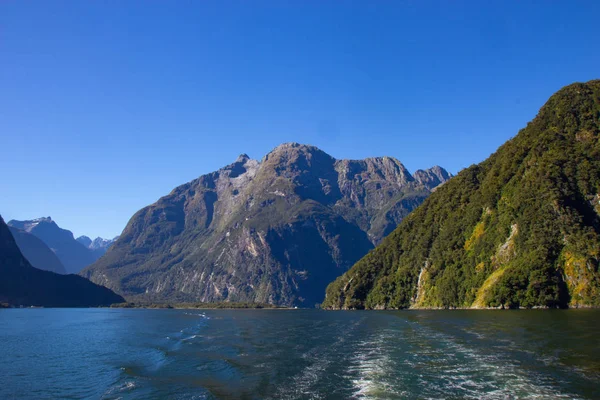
(105, 106)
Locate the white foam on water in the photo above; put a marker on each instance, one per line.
(187, 335)
(191, 397)
(372, 372)
(201, 315)
(303, 384)
(190, 338)
(119, 388)
(455, 369)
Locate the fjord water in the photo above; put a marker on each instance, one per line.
(304, 354)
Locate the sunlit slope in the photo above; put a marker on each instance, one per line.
(275, 231)
(520, 229)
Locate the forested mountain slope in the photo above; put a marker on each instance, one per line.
(521, 229)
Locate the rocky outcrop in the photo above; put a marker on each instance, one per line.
(273, 231)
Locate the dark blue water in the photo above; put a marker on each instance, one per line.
(298, 354)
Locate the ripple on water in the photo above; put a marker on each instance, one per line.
(456, 368)
(123, 386)
(317, 361)
(182, 354)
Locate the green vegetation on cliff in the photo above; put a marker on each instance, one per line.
(521, 229)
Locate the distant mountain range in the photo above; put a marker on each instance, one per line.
(98, 246)
(275, 231)
(521, 229)
(98, 243)
(22, 284)
(72, 255)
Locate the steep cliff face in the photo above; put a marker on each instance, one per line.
(273, 231)
(22, 284)
(521, 229)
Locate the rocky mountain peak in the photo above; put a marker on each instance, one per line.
(29, 225)
(100, 243)
(239, 167)
(240, 233)
(242, 158)
(432, 177)
(291, 146)
(291, 153)
(96, 244)
(42, 226)
(84, 240)
(373, 169)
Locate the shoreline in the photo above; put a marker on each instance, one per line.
(293, 308)
(466, 308)
(203, 306)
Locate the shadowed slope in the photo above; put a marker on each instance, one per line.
(21, 284)
(37, 252)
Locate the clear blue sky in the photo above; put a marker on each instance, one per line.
(107, 105)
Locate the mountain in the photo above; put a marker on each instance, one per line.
(72, 254)
(98, 246)
(37, 252)
(432, 177)
(521, 229)
(85, 240)
(22, 284)
(271, 231)
(102, 244)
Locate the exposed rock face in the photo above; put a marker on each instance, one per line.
(84, 240)
(102, 244)
(432, 177)
(22, 284)
(521, 229)
(36, 252)
(72, 254)
(273, 231)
